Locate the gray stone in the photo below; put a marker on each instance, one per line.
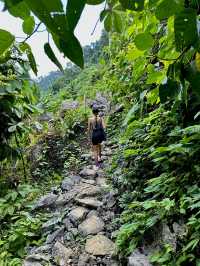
(92, 213)
(138, 259)
(179, 230)
(61, 254)
(45, 117)
(49, 225)
(69, 105)
(168, 237)
(79, 190)
(36, 260)
(83, 259)
(91, 226)
(43, 249)
(55, 235)
(100, 245)
(68, 183)
(101, 181)
(89, 181)
(86, 190)
(78, 214)
(67, 223)
(46, 201)
(109, 200)
(33, 263)
(89, 202)
(63, 199)
(86, 172)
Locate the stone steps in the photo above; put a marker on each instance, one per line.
(81, 234)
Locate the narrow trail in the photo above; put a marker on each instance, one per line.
(80, 229)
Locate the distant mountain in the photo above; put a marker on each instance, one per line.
(44, 82)
(56, 80)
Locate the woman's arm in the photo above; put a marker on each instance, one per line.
(89, 129)
(103, 123)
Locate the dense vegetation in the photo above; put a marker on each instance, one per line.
(151, 66)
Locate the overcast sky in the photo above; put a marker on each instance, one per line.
(83, 32)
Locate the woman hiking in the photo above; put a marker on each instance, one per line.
(96, 134)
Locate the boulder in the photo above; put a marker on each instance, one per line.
(89, 202)
(168, 237)
(61, 254)
(68, 183)
(138, 259)
(100, 245)
(84, 190)
(78, 214)
(79, 191)
(91, 226)
(180, 230)
(86, 172)
(64, 198)
(46, 201)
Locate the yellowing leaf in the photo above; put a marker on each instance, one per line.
(133, 53)
(197, 61)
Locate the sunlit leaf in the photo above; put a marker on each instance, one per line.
(6, 40)
(144, 41)
(28, 25)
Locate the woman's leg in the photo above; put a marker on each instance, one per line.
(99, 152)
(95, 150)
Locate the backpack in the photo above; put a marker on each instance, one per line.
(98, 133)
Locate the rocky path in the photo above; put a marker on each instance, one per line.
(80, 230)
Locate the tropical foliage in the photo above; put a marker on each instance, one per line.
(150, 65)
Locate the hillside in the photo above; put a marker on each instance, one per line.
(140, 206)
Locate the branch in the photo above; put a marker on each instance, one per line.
(95, 26)
(98, 20)
(36, 30)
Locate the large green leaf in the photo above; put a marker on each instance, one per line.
(6, 40)
(103, 14)
(18, 8)
(136, 5)
(185, 26)
(28, 25)
(94, 2)
(49, 52)
(144, 41)
(108, 22)
(74, 11)
(169, 8)
(193, 77)
(72, 49)
(32, 61)
(117, 21)
(169, 90)
(51, 13)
